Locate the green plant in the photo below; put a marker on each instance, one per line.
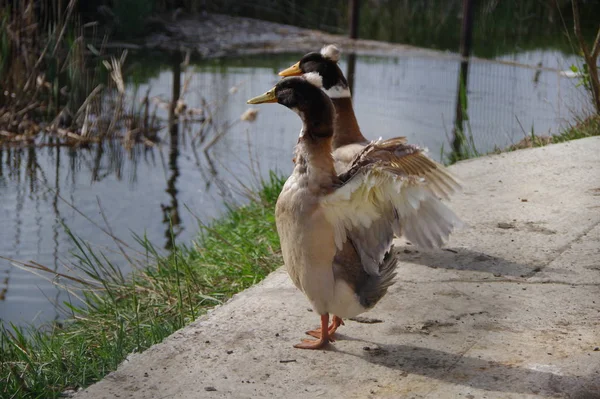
(590, 57)
(5, 49)
(56, 80)
(583, 76)
(463, 144)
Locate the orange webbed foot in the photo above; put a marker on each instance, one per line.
(322, 334)
(311, 344)
(317, 334)
(335, 323)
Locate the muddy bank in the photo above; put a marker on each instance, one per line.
(217, 35)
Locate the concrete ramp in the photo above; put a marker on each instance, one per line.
(509, 309)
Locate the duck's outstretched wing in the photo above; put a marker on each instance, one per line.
(404, 160)
(391, 187)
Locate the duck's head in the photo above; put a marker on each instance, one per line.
(324, 63)
(304, 96)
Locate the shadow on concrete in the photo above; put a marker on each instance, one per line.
(465, 259)
(482, 374)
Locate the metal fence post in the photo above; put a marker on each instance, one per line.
(354, 11)
(466, 35)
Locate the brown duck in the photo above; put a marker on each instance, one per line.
(348, 139)
(336, 230)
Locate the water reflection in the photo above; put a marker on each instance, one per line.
(171, 211)
(350, 71)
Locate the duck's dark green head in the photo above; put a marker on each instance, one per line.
(324, 63)
(304, 96)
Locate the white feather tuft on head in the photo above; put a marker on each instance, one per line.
(314, 78)
(332, 52)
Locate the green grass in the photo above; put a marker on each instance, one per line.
(583, 128)
(586, 127)
(463, 134)
(122, 314)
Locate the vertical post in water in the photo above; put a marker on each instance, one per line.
(466, 34)
(354, 12)
(176, 92)
(353, 16)
(171, 211)
(350, 71)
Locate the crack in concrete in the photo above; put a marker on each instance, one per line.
(459, 356)
(562, 250)
(483, 281)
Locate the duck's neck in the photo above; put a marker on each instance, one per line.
(314, 161)
(346, 130)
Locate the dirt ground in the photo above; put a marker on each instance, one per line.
(216, 35)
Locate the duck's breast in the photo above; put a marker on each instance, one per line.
(307, 244)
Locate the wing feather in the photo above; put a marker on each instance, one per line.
(391, 187)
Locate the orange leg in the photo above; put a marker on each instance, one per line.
(335, 323)
(323, 338)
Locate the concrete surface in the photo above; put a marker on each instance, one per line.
(510, 309)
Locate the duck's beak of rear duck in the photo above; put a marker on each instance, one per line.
(268, 97)
(294, 70)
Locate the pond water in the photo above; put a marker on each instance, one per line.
(141, 190)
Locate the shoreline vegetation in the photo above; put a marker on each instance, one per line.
(586, 127)
(59, 84)
(582, 128)
(118, 315)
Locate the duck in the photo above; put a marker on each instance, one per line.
(336, 229)
(348, 139)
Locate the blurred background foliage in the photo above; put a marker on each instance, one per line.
(499, 26)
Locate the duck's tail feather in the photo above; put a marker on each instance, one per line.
(375, 287)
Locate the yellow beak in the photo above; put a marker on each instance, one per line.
(268, 97)
(294, 70)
